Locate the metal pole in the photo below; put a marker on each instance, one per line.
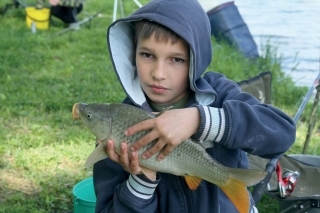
(115, 8)
(121, 9)
(138, 3)
(70, 28)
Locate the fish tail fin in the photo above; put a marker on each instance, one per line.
(236, 187)
(97, 155)
(237, 192)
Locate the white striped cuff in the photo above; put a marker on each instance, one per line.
(212, 124)
(254, 210)
(140, 188)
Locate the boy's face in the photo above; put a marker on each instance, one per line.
(163, 69)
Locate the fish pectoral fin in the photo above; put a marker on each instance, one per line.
(152, 175)
(193, 182)
(98, 154)
(237, 192)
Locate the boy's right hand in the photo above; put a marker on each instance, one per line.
(128, 160)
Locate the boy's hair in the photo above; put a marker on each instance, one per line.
(144, 29)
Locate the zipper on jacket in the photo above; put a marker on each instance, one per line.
(186, 194)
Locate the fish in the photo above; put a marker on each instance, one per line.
(189, 159)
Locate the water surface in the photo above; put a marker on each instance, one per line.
(293, 26)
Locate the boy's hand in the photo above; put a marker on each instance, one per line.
(128, 160)
(54, 2)
(169, 129)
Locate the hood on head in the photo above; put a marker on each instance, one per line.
(184, 17)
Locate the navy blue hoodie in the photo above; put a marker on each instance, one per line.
(233, 123)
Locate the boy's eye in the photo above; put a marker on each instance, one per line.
(178, 60)
(146, 55)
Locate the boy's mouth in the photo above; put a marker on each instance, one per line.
(158, 89)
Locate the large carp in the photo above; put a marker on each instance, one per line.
(189, 159)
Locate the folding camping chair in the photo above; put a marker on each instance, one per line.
(305, 196)
(301, 193)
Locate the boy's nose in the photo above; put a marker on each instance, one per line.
(158, 71)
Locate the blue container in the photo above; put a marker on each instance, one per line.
(84, 196)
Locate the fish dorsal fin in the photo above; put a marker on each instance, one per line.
(193, 182)
(152, 175)
(98, 154)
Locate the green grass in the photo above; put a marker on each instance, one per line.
(42, 151)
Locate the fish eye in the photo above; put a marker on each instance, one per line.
(89, 116)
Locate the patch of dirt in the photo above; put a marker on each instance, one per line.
(12, 182)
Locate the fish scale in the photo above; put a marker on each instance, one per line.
(188, 159)
(190, 166)
(120, 125)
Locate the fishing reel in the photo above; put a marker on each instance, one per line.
(286, 181)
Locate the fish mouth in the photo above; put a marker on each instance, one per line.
(76, 112)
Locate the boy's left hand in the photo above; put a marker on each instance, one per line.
(54, 2)
(169, 129)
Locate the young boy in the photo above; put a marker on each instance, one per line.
(159, 54)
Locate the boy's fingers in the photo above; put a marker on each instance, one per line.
(143, 125)
(134, 163)
(124, 158)
(154, 149)
(111, 152)
(144, 140)
(165, 152)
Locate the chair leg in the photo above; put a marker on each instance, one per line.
(16, 3)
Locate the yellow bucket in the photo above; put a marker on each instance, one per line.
(39, 16)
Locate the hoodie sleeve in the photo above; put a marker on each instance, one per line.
(238, 120)
(118, 191)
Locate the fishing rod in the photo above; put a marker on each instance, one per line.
(271, 166)
(79, 23)
(306, 99)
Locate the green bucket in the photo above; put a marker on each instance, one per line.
(84, 197)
